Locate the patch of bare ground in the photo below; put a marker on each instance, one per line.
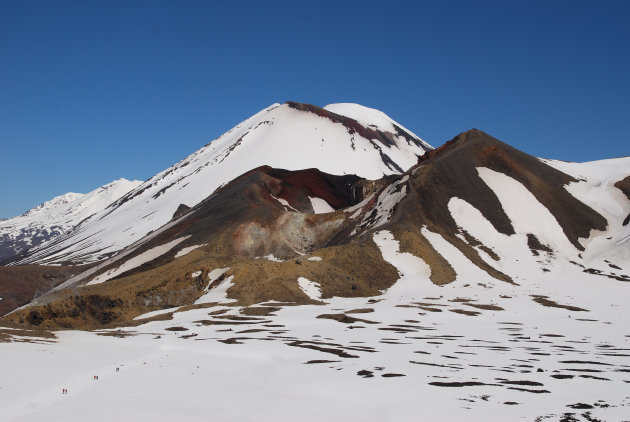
(428, 304)
(458, 383)
(580, 406)
(398, 330)
(486, 307)
(259, 310)
(345, 318)
(241, 318)
(160, 317)
(218, 312)
(458, 367)
(429, 309)
(461, 300)
(9, 335)
(116, 333)
(176, 328)
(360, 311)
(593, 377)
(476, 243)
(253, 330)
(529, 390)
(614, 276)
(465, 312)
(526, 383)
(545, 301)
(189, 335)
(365, 373)
(535, 246)
(223, 322)
(234, 340)
(314, 346)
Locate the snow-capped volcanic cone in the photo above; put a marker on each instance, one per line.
(339, 139)
(57, 216)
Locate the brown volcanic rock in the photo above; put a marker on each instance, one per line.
(258, 223)
(245, 218)
(296, 186)
(21, 284)
(181, 211)
(624, 186)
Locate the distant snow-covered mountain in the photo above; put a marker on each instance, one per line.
(337, 139)
(56, 216)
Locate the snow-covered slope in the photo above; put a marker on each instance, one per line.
(56, 216)
(290, 136)
(595, 187)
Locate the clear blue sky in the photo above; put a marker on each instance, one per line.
(91, 91)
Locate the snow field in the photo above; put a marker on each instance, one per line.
(595, 187)
(256, 369)
(320, 206)
(187, 250)
(526, 213)
(310, 288)
(217, 294)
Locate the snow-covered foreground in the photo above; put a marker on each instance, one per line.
(415, 353)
